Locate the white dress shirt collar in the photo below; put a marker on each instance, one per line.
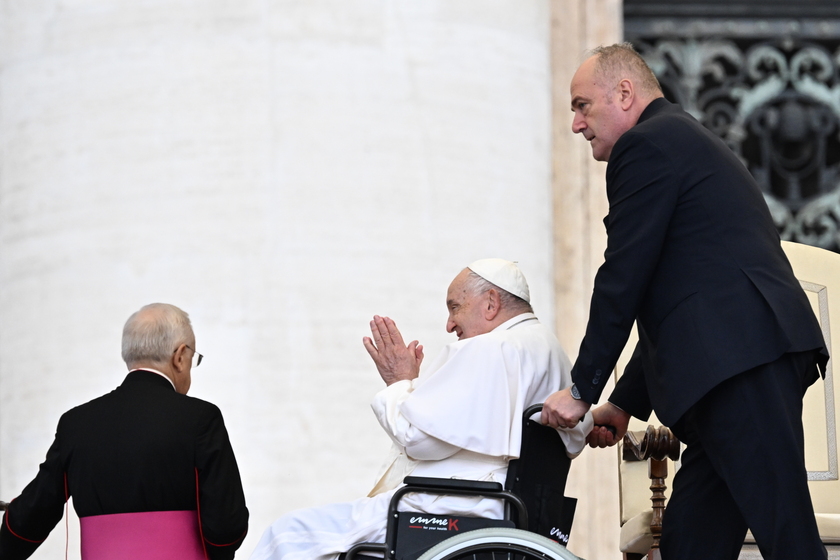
(513, 321)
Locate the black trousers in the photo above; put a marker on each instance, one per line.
(744, 467)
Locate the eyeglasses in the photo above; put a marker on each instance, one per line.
(196, 356)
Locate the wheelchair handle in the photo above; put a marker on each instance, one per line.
(530, 411)
(533, 409)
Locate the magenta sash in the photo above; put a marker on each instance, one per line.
(159, 535)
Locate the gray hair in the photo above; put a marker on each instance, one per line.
(620, 61)
(154, 332)
(476, 285)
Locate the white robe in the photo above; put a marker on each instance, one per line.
(462, 418)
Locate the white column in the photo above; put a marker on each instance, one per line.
(580, 204)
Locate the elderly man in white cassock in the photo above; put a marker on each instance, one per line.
(460, 418)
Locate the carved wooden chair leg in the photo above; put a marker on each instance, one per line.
(658, 472)
(657, 446)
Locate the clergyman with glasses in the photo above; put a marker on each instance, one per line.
(151, 471)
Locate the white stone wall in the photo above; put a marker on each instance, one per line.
(280, 170)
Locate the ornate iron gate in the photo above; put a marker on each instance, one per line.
(765, 77)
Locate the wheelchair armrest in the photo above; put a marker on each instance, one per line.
(452, 484)
(450, 487)
(439, 486)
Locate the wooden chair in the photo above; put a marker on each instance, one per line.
(818, 271)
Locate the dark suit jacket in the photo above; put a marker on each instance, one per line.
(142, 447)
(694, 257)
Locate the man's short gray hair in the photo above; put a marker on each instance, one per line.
(620, 61)
(476, 285)
(154, 332)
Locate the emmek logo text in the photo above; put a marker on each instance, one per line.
(559, 536)
(434, 523)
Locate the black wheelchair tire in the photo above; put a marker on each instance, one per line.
(498, 543)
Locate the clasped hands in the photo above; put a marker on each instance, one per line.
(562, 411)
(394, 360)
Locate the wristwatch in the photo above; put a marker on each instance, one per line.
(575, 392)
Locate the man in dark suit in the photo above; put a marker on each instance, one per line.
(728, 342)
(151, 471)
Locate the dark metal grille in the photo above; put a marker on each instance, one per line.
(768, 85)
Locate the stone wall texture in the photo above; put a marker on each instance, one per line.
(281, 170)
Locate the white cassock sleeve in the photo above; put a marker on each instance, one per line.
(574, 439)
(476, 391)
(418, 444)
(472, 397)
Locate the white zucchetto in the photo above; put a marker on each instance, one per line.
(504, 274)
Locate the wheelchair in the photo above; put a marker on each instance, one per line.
(537, 515)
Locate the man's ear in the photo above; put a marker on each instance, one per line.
(626, 91)
(181, 369)
(179, 359)
(492, 303)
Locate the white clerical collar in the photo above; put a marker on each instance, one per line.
(514, 321)
(154, 371)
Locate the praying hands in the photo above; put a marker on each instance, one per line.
(394, 359)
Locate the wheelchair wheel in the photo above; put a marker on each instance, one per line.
(498, 543)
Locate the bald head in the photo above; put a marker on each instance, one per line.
(610, 91)
(152, 334)
(617, 62)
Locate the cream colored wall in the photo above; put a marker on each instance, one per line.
(282, 171)
(580, 203)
